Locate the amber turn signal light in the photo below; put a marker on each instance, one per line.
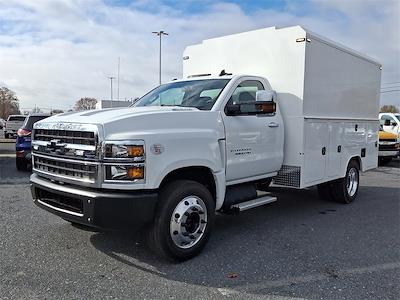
(136, 172)
(135, 151)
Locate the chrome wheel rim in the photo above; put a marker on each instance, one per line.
(352, 182)
(188, 222)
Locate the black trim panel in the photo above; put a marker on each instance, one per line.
(111, 209)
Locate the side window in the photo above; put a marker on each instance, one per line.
(385, 118)
(245, 92)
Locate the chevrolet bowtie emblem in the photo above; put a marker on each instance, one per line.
(54, 144)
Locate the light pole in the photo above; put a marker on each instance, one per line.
(111, 79)
(160, 34)
(119, 62)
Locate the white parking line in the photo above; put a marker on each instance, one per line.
(311, 278)
(7, 155)
(231, 293)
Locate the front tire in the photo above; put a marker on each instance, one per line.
(264, 185)
(183, 221)
(345, 189)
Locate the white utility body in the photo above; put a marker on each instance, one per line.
(272, 104)
(328, 96)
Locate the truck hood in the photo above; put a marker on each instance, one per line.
(383, 135)
(137, 122)
(103, 116)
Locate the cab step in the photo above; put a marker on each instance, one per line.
(253, 203)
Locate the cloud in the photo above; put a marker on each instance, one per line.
(54, 52)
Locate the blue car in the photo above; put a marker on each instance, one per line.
(23, 143)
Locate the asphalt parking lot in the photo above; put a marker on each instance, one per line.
(298, 247)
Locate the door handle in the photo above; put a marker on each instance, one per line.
(273, 124)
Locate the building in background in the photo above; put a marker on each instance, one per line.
(112, 103)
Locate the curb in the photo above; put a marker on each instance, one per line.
(7, 141)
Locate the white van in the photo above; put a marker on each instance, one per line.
(390, 123)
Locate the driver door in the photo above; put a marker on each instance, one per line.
(254, 143)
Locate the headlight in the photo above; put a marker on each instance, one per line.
(133, 150)
(125, 172)
(124, 160)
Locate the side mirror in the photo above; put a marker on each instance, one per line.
(394, 124)
(265, 96)
(387, 122)
(265, 103)
(233, 109)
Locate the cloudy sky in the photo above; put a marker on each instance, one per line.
(53, 52)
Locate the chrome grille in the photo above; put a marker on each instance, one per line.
(66, 136)
(80, 142)
(67, 152)
(70, 169)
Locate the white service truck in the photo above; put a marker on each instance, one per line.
(273, 104)
(390, 123)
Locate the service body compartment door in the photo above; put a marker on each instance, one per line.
(315, 151)
(334, 152)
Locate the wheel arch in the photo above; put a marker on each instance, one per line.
(201, 174)
(357, 159)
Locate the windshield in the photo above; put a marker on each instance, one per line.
(201, 94)
(17, 118)
(28, 124)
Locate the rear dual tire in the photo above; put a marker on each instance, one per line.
(343, 190)
(183, 220)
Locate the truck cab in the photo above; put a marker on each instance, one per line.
(390, 123)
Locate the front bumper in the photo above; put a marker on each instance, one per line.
(24, 154)
(94, 207)
(388, 153)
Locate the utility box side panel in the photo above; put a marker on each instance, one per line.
(339, 83)
(371, 159)
(330, 144)
(361, 139)
(316, 140)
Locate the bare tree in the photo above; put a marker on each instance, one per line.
(36, 110)
(9, 103)
(85, 104)
(389, 109)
